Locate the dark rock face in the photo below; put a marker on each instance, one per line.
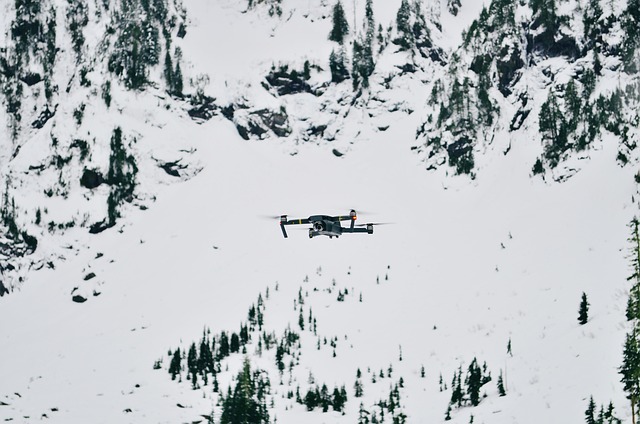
(3, 289)
(44, 116)
(258, 123)
(508, 67)
(99, 227)
(79, 299)
(287, 82)
(461, 155)
(32, 78)
(551, 44)
(204, 110)
(172, 168)
(91, 179)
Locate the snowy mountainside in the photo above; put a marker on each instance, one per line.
(162, 245)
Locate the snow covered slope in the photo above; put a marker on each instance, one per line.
(469, 267)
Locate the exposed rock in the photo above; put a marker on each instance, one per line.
(337, 153)
(259, 122)
(172, 168)
(31, 78)
(44, 116)
(287, 82)
(91, 179)
(508, 67)
(79, 299)
(204, 110)
(3, 289)
(89, 276)
(99, 227)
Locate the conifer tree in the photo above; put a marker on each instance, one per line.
(337, 66)
(175, 365)
(501, 389)
(403, 24)
(340, 26)
(583, 313)
(590, 412)
(246, 404)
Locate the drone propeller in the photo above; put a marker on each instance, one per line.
(374, 223)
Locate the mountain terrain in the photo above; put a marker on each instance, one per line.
(150, 146)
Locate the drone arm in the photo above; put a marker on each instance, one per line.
(284, 232)
(368, 229)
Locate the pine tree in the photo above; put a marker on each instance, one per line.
(590, 412)
(246, 404)
(403, 25)
(168, 70)
(177, 84)
(175, 365)
(337, 66)
(583, 313)
(340, 27)
(234, 345)
(501, 390)
(630, 371)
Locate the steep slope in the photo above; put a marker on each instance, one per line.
(468, 268)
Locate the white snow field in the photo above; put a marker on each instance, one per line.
(466, 266)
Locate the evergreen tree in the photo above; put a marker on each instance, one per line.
(121, 175)
(234, 345)
(177, 84)
(175, 365)
(630, 371)
(583, 313)
(168, 69)
(453, 6)
(590, 412)
(403, 25)
(223, 349)
(338, 67)
(501, 389)
(340, 27)
(246, 404)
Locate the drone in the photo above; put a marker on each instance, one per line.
(325, 225)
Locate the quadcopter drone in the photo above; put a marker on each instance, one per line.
(324, 225)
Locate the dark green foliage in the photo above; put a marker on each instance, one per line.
(583, 313)
(338, 66)
(340, 27)
(476, 378)
(590, 413)
(77, 19)
(631, 39)
(137, 45)
(223, 349)
(121, 175)
(246, 404)
(453, 6)
(403, 24)
(175, 366)
(106, 93)
(501, 389)
(234, 345)
(8, 215)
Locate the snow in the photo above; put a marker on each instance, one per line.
(471, 264)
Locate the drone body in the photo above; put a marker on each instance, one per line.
(325, 225)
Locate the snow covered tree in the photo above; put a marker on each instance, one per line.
(590, 413)
(337, 65)
(583, 313)
(501, 389)
(246, 404)
(403, 25)
(121, 175)
(340, 26)
(453, 6)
